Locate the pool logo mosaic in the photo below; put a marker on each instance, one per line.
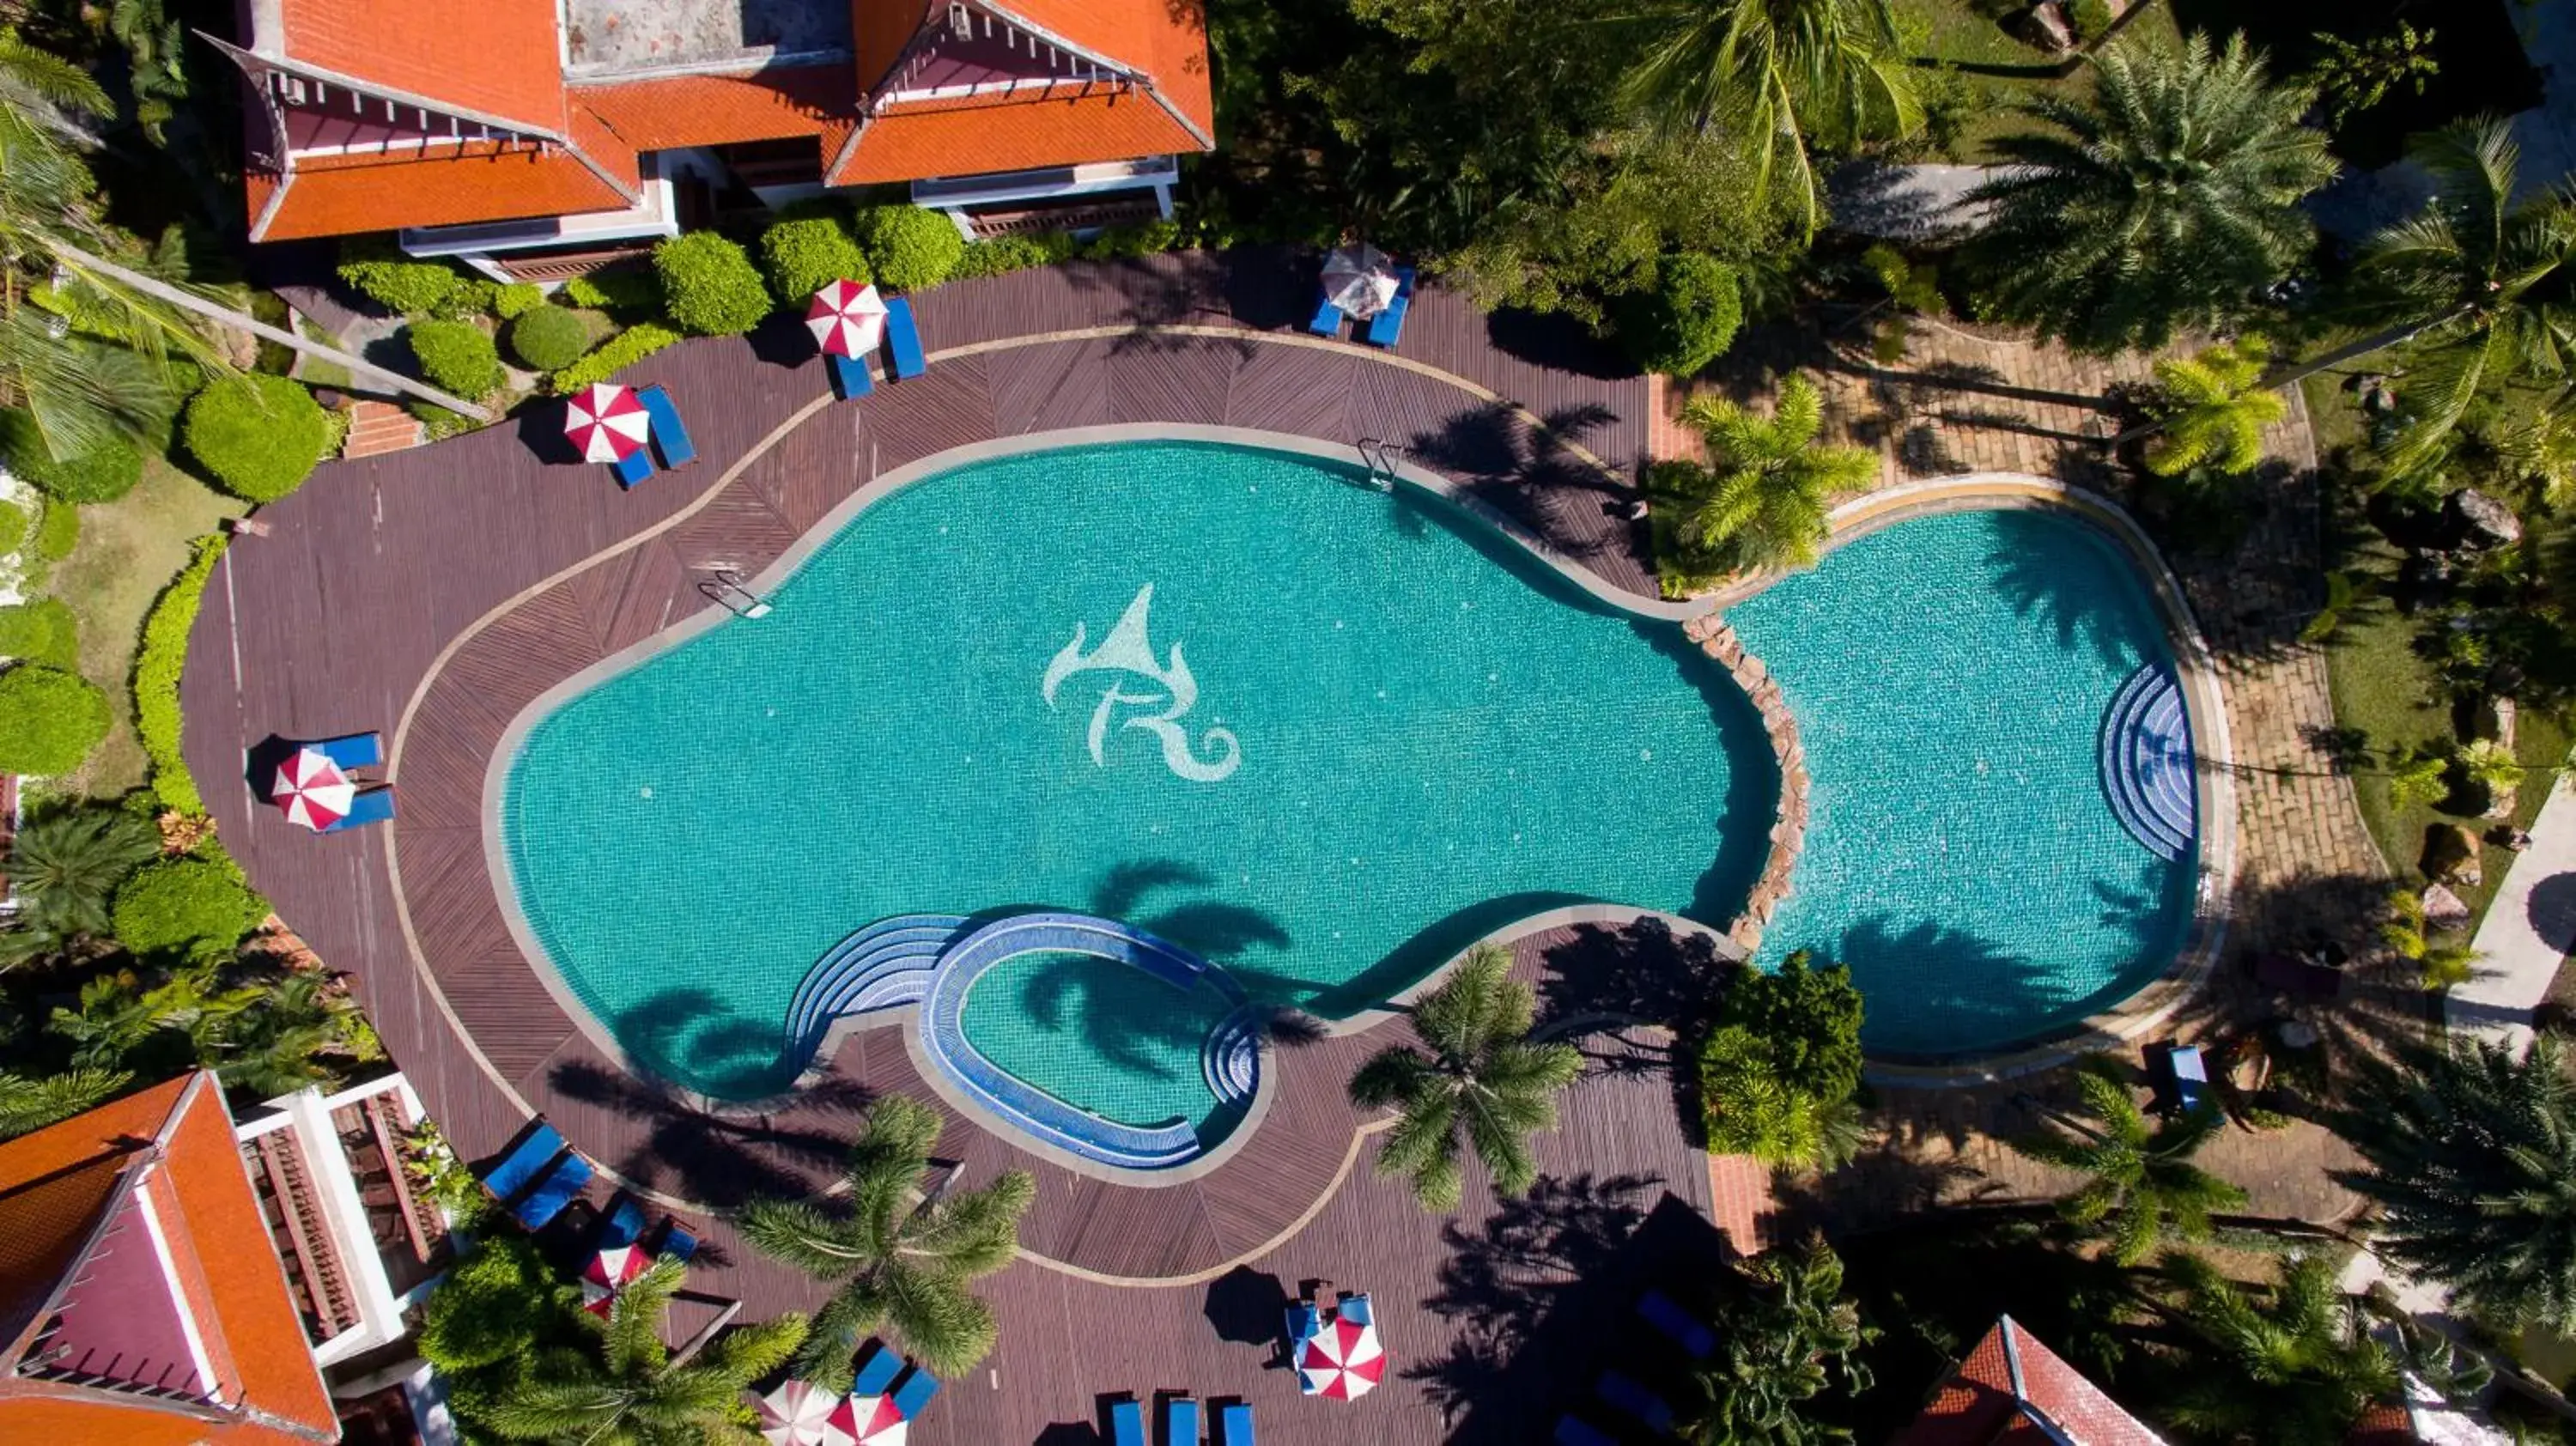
(1126, 650)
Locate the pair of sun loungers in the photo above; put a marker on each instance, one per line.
(542, 1174)
(1179, 1420)
(1630, 1396)
(670, 438)
(878, 1372)
(350, 753)
(903, 348)
(1384, 329)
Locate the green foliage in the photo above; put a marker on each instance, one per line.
(624, 1390)
(1687, 319)
(2344, 591)
(182, 902)
(1808, 1018)
(708, 285)
(2168, 201)
(29, 1104)
(49, 719)
(1763, 500)
(1913, 289)
(456, 356)
(438, 424)
(412, 288)
(103, 473)
(1129, 241)
(13, 527)
(613, 356)
(502, 1305)
(2214, 407)
(902, 1264)
(805, 254)
(624, 289)
(65, 868)
(257, 436)
(1001, 255)
(164, 650)
(2351, 76)
(1791, 1337)
(2140, 1184)
(909, 248)
(57, 531)
(1778, 1074)
(2291, 1364)
(42, 631)
(1473, 1080)
(548, 338)
(517, 299)
(2089, 19)
(2417, 775)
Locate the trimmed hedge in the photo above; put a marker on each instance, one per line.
(626, 288)
(1687, 319)
(415, 288)
(102, 474)
(614, 355)
(257, 436)
(804, 255)
(183, 901)
(457, 355)
(42, 631)
(1003, 255)
(517, 299)
(548, 338)
(156, 677)
(910, 248)
(709, 286)
(57, 532)
(49, 719)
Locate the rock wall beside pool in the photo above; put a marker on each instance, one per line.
(1789, 822)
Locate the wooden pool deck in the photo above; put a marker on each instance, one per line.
(434, 593)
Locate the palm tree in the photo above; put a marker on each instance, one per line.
(2471, 1153)
(1764, 499)
(29, 1104)
(2139, 1177)
(2417, 775)
(2214, 409)
(2408, 935)
(631, 1393)
(902, 1262)
(2167, 201)
(2296, 1367)
(65, 868)
(1792, 1338)
(1783, 74)
(1477, 1074)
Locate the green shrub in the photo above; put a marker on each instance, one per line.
(548, 338)
(627, 289)
(183, 901)
(1687, 319)
(1777, 1075)
(614, 355)
(457, 355)
(57, 532)
(908, 247)
(1810, 1020)
(517, 299)
(1133, 240)
(2089, 19)
(49, 720)
(102, 474)
(709, 286)
(1005, 254)
(414, 288)
(806, 254)
(13, 527)
(42, 631)
(257, 436)
(156, 677)
(437, 423)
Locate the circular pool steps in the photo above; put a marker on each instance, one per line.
(2147, 768)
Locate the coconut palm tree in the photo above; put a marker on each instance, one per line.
(2213, 409)
(1477, 1082)
(1787, 75)
(2471, 1153)
(2165, 201)
(631, 1393)
(1793, 1337)
(2295, 1365)
(65, 868)
(902, 1262)
(29, 1103)
(1764, 498)
(2140, 1184)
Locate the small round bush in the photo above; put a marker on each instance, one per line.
(1687, 319)
(257, 436)
(457, 355)
(910, 247)
(101, 474)
(804, 255)
(179, 902)
(42, 631)
(548, 339)
(709, 286)
(49, 719)
(57, 533)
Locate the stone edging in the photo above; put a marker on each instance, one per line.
(1789, 817)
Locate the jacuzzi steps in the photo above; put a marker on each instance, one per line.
(2148, 773)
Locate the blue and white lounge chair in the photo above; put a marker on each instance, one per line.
(1234, 1424)
(623, 1225)
(1126, 1424)
(670, 435)
(1327, 320)
(357, 750)
(1636, 1400)
(915, 1392)
(1304, 1322)
(528, 1159)
(2191, 1077)
(1676, 1322)
(903, 339)
(677, 1242)
(849, 376)
(1575, 1431)
(878, 1371)
(1180, 1421)
(554, 1192)
(1387, 327)
(1355, 1309)
(633, 468)
(375, 805)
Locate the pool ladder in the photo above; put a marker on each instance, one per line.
(1380, 459)
(728, 589)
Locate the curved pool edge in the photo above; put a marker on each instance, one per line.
(2195, 668)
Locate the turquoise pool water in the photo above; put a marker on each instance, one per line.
(1949, 676)
(1399, 733)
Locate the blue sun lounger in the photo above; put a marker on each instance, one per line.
(554, 1192)
(1387, 326)
(677, 1243)
(375, 805)
(1234, 1424)
(1636, 1400)
(1355, 1309)
(2191, 1077)
(356, 750)
(1126, 1424)
(670, 435)
(1304, 1322)
(1327, 320)
(528, 1159)
(633, 468)
(903, 339)
(1575, 1431)
(1180, 1421)
(849, 376)
(1659, 1309)
(623, 1225)
(878, 1371)
(915, 1392)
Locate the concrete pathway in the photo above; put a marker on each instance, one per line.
(2528, 931)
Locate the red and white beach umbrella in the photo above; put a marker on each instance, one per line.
(607, 1273)
(606, 422)
(865, 1421)
(847, 319)
(798, 1413)
(1343, 1360)
(313, 790)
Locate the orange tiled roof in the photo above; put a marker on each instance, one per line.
(498, 57)
(714, 110)
(1978, 1405)
(968, 135)
(348, 195)
(880, 29)
(1164, 40)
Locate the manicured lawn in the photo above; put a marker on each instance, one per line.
(129, 550)
(1966, 34)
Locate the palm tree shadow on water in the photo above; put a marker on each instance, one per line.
(2039, 573)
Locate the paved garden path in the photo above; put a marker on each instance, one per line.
(2529, 930)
